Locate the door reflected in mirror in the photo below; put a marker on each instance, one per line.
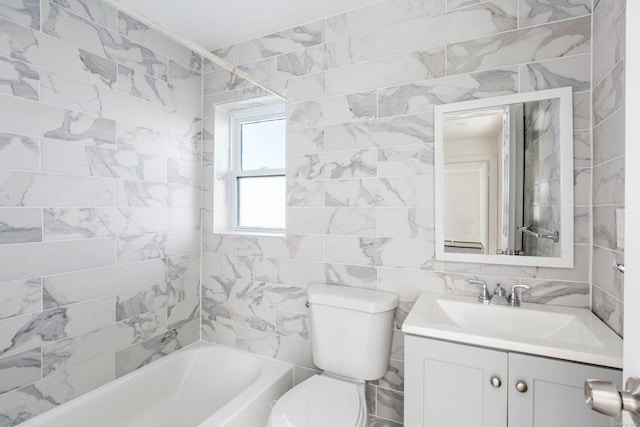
(504, 178)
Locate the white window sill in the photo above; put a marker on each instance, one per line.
(256, 233)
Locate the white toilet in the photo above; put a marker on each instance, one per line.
(351, 342)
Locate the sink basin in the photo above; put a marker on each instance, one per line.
(553, 331)
(518, 321)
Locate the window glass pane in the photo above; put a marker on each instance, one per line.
(263, 144)
(261, 202)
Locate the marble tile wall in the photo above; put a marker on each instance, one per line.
(362, 86)
(100, 136)
(541, 176)
(608, 158)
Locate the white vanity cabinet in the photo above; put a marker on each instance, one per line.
(457, 385)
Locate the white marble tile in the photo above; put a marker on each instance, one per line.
(395, 70)
(272, 295)
(219, 333)
(479, 20)
(31, 400)
(75, 159)
(183, 172)
(20, 369)
(608, 182)
(20, 225)
(582, 110)
(610, 49)
(162, 295)
(609, 95)
(31, 118)
(337, 109)
(609, 138)
(257, 318)
(301, 273)
(64, 25)
(18, 152)
(292, 246)
(27, 189)
(150, 350)
(605, 13)
(184, 125)
(183, 313)
(305, 194)
(380, 15)
(23, 12)
(384, 132)
(582, 149)
(302, 141)
(328, 56)
(31, 330)
(78, 223)
(72, 287)
(64, 92)
(46, 52)
(183, 219)
(390, 404)
(609, 309)
(405, 160)
(603, 276)
(537, 43)
(422, 96)
(19, 79)
(185, 78)
(305, 88)
(20, 297)
(141, 194)
(334, 165)
(574, 71)
(534, 12)
(71, 352)
(415, 253)
(156, 245)
(282, 42)
(93, 10)
(295, 351)
(54, 257)
(156, 41)
(406, 222)
(380, 192)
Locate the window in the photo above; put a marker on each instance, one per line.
(257, 184)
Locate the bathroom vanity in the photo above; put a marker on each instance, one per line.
(469, 364)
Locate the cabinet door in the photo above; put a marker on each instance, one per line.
(554, 395)
(449, 385)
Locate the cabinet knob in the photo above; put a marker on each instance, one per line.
(521, 386)
(495, 382)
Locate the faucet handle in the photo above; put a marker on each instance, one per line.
(484, 296)
(514, 298)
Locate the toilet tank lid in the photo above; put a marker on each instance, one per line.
(367, 300)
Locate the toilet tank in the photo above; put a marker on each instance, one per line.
(351, 330)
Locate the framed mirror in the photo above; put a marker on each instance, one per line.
(504, 179)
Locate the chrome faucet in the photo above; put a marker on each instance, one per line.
(485, 296)
(514, 297)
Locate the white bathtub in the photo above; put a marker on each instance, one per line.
(201, 385)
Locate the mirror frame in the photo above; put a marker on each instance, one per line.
(565, 95)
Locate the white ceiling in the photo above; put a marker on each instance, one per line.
(214, 24)
(481, 127)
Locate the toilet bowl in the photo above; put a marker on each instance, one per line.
(322, 401)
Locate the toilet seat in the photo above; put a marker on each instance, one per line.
(321, 401)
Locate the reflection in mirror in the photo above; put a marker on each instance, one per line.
(503, 169)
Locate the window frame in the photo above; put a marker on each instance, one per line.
(236, 120)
